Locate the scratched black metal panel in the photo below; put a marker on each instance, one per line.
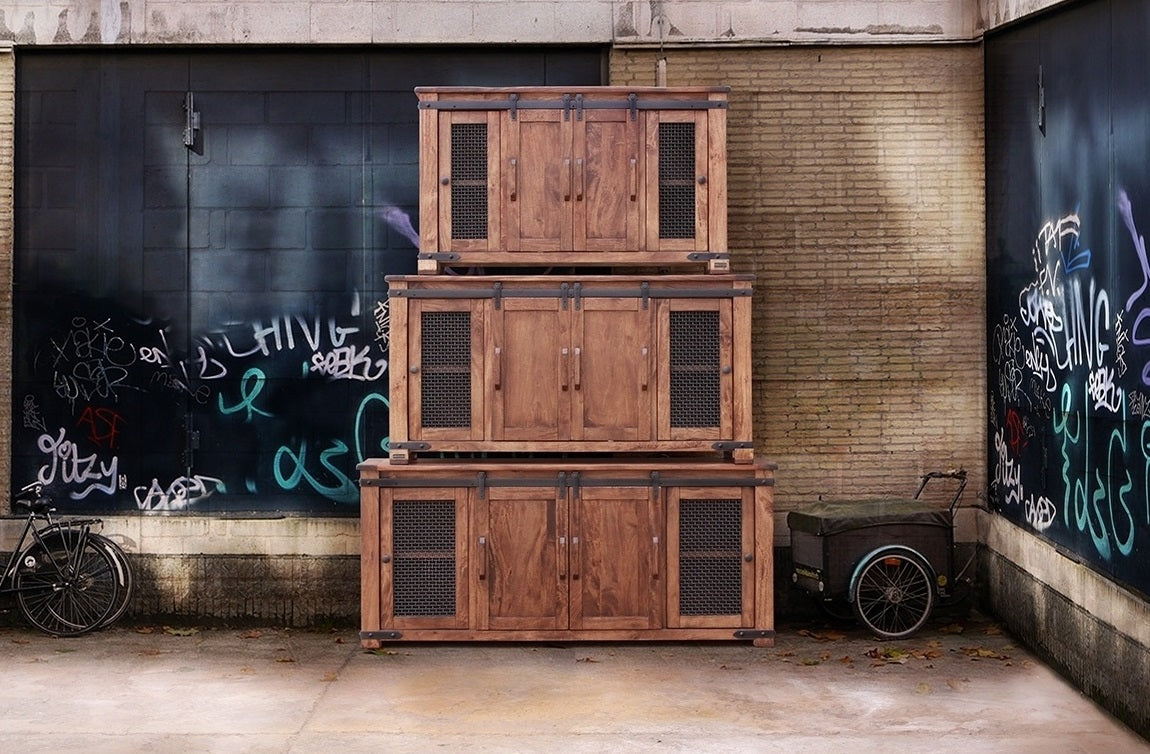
(201, 316)
(1068, 140)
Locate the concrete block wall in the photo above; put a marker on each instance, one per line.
(1090, 629)
(250, 22)
(7, 227)
(856, 200)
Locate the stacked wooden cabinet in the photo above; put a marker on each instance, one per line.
(571, 447)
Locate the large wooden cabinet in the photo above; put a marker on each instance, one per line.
(571, 451)
(576, 550)
(563, 364)
(549, 175)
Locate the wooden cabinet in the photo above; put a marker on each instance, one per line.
(546, 176)
(565, 364)
(547, 550)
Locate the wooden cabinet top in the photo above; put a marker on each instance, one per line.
(650, 94)
(690, 471)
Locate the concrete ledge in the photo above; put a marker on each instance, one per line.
(1084, 625)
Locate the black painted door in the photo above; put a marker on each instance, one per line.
(200, 310)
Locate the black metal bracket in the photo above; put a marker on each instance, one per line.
(380, 635)
(411, 445)
(442, 256)
(706, 256)
(731, 445)
(746, 633)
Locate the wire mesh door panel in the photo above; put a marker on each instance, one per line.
(423, 581)
(445, 370)
(696, 370)
(711, 568)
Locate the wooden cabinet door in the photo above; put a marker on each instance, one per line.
(538, 180)
(612, 384)
(607, 147)
(531, 371)
(424, 559)
(677, 180)
(710, 557)
(520, 540)
(445, 396)
(468, 181)
(696, 369)
(615, 573)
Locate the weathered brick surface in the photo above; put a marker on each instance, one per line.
(7, 146)
(856, 199)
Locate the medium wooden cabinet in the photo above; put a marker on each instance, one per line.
(565, 364)
(546, 176)
(548, 550)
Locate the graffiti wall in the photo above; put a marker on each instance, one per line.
(200, 308)
(1068, 210)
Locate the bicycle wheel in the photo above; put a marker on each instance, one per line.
(67, 584)
(893, 594)
(125, 578)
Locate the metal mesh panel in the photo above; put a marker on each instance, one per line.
(676, 180)
(710, 557)
(445, 354)
(423, 557)
(468, 180)
(695, 398)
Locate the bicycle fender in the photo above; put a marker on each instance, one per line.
(889, 550)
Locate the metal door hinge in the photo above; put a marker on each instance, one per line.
(192, 124)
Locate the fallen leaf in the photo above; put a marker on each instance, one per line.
(171, 631)
(340, 640)
(21, 641)
(255, 633)
(328, 677)
(983, 653)
(285, 659)
(993, 630)
(923, 688)
(890, 654)
(145, 630)
(809, 661)
(586, 659)
(953, 628)
(382, 652)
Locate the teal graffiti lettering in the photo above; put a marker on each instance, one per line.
(343, 491)
(385, 443)
(251, 384)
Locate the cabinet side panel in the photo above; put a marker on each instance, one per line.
(369, 576)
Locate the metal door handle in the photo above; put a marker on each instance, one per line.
(514, 187)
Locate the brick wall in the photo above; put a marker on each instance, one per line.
(856, 199)
(7, 220)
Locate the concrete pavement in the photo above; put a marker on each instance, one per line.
(956, 687)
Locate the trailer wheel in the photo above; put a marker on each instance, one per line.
(893, 593)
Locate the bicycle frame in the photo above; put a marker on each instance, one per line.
(38, 535)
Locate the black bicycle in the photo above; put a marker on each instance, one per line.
(66, 578)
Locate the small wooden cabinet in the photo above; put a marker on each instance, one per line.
(565, 364)
(552, 176)
(550, 550)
